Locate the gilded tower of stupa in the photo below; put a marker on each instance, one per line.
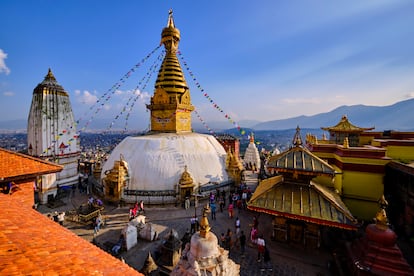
(171, 104)
(51, 135)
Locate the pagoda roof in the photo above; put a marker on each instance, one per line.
(313, 203)
(299, 160)
(345, 125)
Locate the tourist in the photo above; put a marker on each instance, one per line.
(242, 240)
(213, 210)
(98, 222)
(237, 225)
(115, 249)
(253, 235)
(230, 210)
(221, 203)
(141, 207)
(61, 218)
(187, 203)
(260, 248)
(193, 222)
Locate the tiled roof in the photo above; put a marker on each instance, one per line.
(311, 203)
(31, 244)
(299, 159)
(14, 166)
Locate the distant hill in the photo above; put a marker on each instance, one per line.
(399, 116)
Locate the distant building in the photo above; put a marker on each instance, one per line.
(52, 136)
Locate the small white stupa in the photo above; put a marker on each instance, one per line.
(251, 157)
(204, 256)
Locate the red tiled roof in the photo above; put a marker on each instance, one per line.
(15, 165)
(31, 244)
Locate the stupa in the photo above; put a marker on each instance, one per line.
(204, 256)
(251, 156)
(157, 160)
(51, 135)
(377, 253)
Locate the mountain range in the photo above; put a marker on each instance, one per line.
(398, 116)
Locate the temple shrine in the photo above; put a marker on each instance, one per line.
(376, 253)
(302, 208)
(52, 136)
(204, 256)
(251, 157)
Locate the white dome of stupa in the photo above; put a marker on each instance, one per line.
(157, 161)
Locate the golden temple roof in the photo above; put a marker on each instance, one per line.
(311, 202)
(299, 160)
(345, 126)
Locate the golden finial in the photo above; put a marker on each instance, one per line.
(381, 219)
(297, 140)
(204, 225)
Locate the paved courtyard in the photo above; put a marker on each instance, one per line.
(285, 259)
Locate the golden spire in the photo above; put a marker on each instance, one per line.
(297, 140)
(381, 220)
(171, 104)
(204, 225)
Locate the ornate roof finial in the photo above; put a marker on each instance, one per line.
(204, 225)
(170, 23)
(381, 220)
(50, 76)
(252, 138)
(297, 140)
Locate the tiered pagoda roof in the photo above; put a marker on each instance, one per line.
(345, 125)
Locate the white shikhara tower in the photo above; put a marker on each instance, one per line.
(252, 157)
(51, 135)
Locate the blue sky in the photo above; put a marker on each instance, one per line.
(257, 60)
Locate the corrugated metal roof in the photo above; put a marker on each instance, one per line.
(298, 159)
(307, 202)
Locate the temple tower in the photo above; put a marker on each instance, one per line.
(171, 104)
(51, 135)
(251, 156)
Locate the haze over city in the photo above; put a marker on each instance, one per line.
(261, 61)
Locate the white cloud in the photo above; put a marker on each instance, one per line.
(86, 97)
(3, 66)
(8, 94)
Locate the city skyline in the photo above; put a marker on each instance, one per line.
(247, 61)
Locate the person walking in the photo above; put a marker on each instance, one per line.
(213, 210)
(260, 248)
(98, 222)
(230, 210)
(187, 203)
